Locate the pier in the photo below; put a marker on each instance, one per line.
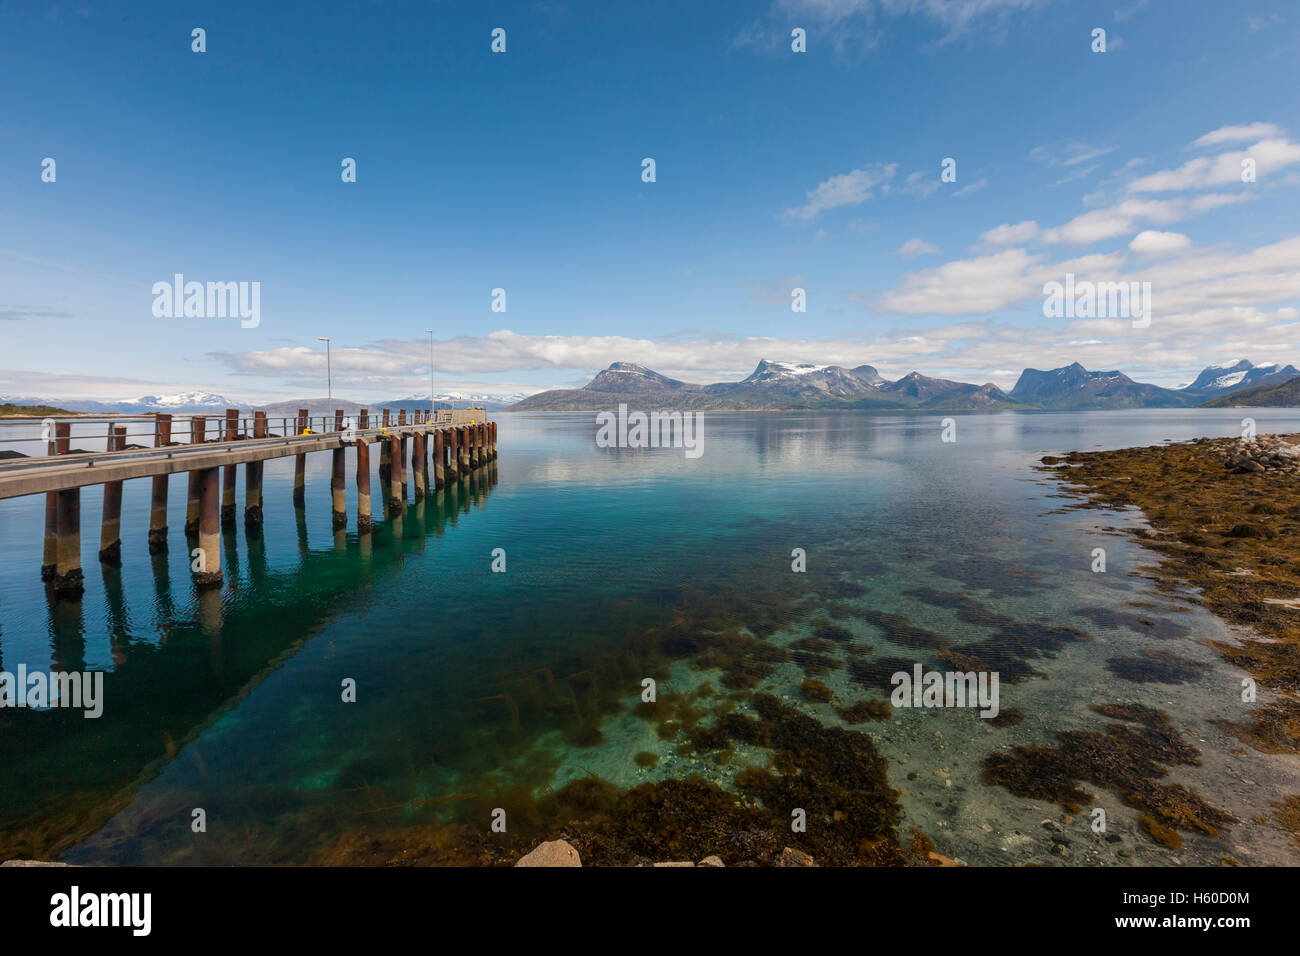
(457, 441)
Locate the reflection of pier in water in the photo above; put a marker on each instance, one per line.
(65, 776)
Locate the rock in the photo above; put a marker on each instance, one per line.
(675, 863)
(711, 861)
(553, 853)
(792, 857)
(32, 863)
(942, 860)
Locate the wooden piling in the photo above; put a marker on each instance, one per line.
(338, 485)
(110, 525)
(162, 437)
(462, 446)
(453, 458)
(494, 441)
(49, 558)
(439, 477)
(253, 479)
(399, 464)
(230, 472)
(385, 464)
(209, 575)
(300, 464)
(419, 473)
(56, 444)
(198, 428)
(68, 580)
(396, 498)
(364, 520)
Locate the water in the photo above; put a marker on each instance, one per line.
(473, 687)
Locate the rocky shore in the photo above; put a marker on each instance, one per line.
(1263, 454)
(1224, 516)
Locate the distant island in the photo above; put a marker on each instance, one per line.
(9, 410)
(778, 385)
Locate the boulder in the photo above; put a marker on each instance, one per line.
(552, 853)
(792, 857)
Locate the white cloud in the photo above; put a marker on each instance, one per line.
(917, 247)
(1237, 134)
(1068, 154)
(846, 189)
(1150, 242)
(853, 26)
(972, 187)
(1126, 216)
(916, 184)
(1270, 156)
(1007, 234)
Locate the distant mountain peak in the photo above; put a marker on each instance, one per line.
(633, 379)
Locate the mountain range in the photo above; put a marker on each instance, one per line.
(1285, 395)
(212, 404)
(787, 385)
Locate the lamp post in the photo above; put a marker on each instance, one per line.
(329, 378)
(432, 415)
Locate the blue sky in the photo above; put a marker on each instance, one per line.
(522, 171)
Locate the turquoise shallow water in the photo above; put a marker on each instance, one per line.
(231, 702)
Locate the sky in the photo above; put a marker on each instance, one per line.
(522, 170)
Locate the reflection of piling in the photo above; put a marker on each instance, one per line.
(300, 464)
(198, 428)
(439, 478)
(162, 436)
(209, 574)
(110, 524)
(253, 480)
(229, 472)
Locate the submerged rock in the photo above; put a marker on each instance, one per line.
(793, 857)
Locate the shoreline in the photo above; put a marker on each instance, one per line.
(1226, 535)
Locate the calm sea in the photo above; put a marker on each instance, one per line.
(231, 702)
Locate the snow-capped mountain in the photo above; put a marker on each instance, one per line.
(813, 381)
(488, 400)
(770, 385)
(193, 401)
(1238, 374)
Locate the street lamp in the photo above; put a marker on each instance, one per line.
(329, 379)
(432, 415)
